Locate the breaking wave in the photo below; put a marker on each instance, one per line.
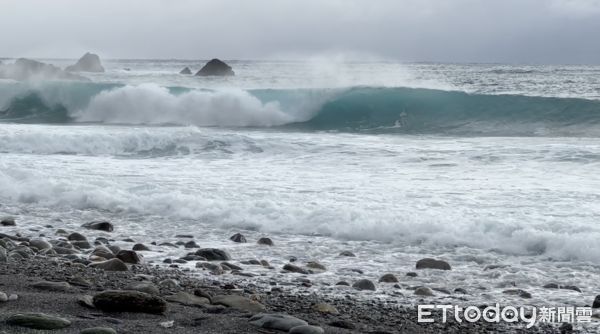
(357, 109)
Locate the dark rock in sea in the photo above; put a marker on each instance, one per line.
(76, 237)
(282, 322)
(342, 283)
(364, 284)
(429, 263)
(52, 286)
(27, 69)
(88, 63)
(213, 254)
(186, 71)
(265, 241)
(388, 278)
(129, 301)
(306, 329)
(145, 287)
(98, 330)
(565, 328)
(341, 323)
(423, 291)
(185, 298)
(295, 269)
(99, 225)
(238, 237)
(596, 303)
(411, 274)
(565, 287)
(110, 265)
(517, 292)
(37, 321)
(347, 253)
(191, 244)
(129, 256)
(83, 244)
(230, 266)
(8, 221)
(461, 291)
(140, 247)
(252, 262)
(315, 265)
(216, 67)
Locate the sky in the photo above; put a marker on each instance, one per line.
(489, 31)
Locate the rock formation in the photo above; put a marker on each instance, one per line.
(88, 63)
(216, 67)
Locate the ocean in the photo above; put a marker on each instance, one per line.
(491, 167)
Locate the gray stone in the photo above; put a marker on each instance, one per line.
(110, 265)
(347, 253)
(99, 225)
(82, 244)
(3, 297)
(295, 269)
(306, 329)
(129, 301)
(388, 278)
(315, 265)
(191, 244)
(423, 291)
(429, 263)
(140, 247)
(518, 292)
(129, 256)
(238, 237)
(103, 252)
(239, 302)
(75, 236)
(98, 330)
(214, 269)
(596, 303)
(3, 255)
(40, 244)
(265, 241)
(89, 62)
(230, 266)
(8, 221)
(215, 67)
(52, 286)
(213, 254)
(186, 71)
(37, 321)
(364, 284)
(282, 322)
(145, 287)
(187, 299)
(86, 301)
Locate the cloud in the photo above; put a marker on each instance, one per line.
(410, 30)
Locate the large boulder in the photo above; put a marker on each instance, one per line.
(110, 265)
(37, 321)
(26, 69)
(129, 301)
(88, 63)
(216, 67)
(213, 254)
(429, 263)
(99, 225)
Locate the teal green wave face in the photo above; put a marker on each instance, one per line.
(358, 109)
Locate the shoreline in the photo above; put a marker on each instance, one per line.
(54, 279)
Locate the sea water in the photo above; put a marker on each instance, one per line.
(493, 168)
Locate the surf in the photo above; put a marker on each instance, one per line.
(376, 110)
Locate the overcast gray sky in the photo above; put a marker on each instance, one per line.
(513, 31)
